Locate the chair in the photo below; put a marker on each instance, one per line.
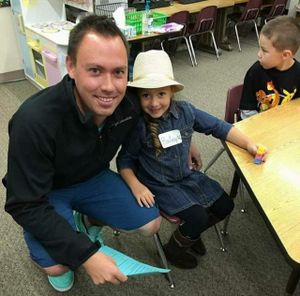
(248, 15)
(232, 115)
(182, 18)
(205, 23)
(276, 9)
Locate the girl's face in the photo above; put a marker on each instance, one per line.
(156, 101)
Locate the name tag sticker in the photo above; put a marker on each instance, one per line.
(170, 138)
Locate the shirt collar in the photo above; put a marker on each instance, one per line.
(173, 110)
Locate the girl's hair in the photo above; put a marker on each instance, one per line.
(284, 33)
(152, 125)
(101, 25)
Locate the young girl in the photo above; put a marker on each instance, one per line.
(154, 159)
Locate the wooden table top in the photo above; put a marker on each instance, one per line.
(275, 184)
(197, 6)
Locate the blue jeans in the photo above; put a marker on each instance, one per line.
(104, 197)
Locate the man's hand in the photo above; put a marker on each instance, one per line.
(195, 162)
(103, 269)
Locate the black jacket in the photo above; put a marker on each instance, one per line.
(51, 146)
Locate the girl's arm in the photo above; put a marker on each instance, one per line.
(142, 194)
(235, 136)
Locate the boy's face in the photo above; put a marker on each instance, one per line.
(268, 56)
(100, 74)
(156, 102)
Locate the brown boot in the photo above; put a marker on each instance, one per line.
(199, 247)
(175, 251)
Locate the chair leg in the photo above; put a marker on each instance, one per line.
(222, 248)
(163, 258)
(237, 37)
(192, 50)
(214, 159)
(215, 44)
(256, 30)
(194, 62)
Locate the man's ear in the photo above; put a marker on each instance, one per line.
(287, 54)
(70, 66)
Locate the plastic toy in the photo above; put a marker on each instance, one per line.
(259, 155)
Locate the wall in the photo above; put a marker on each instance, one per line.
(291, 5)
(10, 56)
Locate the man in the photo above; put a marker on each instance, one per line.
(61, 142)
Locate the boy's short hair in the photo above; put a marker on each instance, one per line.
(284, 32)
(101, 25)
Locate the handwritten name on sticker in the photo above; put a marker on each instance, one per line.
(170, 138)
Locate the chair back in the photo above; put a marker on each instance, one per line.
(234, 96)
(277, 9)
(182, 18)
(205, 20)
(251, 11)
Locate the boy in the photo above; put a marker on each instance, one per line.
(275, 78)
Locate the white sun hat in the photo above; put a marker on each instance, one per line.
(153, 69)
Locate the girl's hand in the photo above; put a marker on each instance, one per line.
(143, 196)
(253, 149)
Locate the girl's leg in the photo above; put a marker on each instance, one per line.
(221, 208)
(187, 235)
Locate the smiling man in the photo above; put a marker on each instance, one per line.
(61, 142)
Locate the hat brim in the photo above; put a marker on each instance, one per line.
(156, 83)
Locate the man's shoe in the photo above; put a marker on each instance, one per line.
(79, 222)
(62, 283)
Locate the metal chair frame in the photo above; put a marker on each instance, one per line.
(174, 18)
(176, 220)
(248, 15)
(208, 23)
(231, 115)
(161, 254)
(277, 9)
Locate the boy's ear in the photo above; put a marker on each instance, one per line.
(287, 54)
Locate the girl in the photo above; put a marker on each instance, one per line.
(154, 159)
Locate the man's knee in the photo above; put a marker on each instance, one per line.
(55, 270)
(150, 228)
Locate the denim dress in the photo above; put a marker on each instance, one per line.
(169, 177)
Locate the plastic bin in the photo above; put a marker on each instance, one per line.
(135, 19)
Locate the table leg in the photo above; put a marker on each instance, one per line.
(293, 281)
(233, 192)
(221, 30)
(234, 185)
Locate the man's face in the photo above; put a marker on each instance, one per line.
(100, 74)
(268, 56)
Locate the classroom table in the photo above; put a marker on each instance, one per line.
(223, 5)
(274, 185)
